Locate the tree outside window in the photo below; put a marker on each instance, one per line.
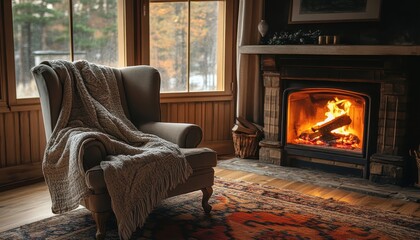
(186, 44)
(41, 30)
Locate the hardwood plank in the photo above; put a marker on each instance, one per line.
(354, 198)
(24, 205)
(416, 213)
(318, 191)
(278, 183)
(335, 194)
(408, 208)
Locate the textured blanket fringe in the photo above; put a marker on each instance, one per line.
(139, 213)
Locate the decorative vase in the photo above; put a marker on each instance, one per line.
(263, 28)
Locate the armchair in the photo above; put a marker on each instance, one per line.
(139, 88)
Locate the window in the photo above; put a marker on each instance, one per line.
(187, 44)
(63, 29)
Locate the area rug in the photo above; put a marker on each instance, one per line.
(241, 210)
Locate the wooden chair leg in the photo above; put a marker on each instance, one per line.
(100, 220)
(207, 192)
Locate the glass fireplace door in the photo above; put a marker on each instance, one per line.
(326, 119)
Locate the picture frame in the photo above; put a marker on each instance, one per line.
(319, 11)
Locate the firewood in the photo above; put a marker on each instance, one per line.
(310, 136)
(247, 124)
(337, 122)
(240, 129)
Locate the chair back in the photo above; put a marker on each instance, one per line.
(139, 90)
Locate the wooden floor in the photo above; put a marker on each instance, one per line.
(32, 203)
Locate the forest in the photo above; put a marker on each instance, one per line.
(183, 39)
(42, 32)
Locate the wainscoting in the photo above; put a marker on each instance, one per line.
(22, 138)
(22, 143)
(215, 117)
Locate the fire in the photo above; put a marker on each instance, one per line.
(336, 109)
(334, 130)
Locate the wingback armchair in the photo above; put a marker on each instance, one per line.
(139, 90)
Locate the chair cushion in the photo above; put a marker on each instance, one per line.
(198, 158)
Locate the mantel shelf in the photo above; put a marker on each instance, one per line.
(354, 50)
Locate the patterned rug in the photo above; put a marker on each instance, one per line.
(240, 211)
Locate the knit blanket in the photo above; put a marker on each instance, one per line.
(140, 168)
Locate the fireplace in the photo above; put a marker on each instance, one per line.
(343, 114)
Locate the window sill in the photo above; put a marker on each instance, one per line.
(195, 97)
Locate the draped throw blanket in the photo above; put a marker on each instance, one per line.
(139, 169)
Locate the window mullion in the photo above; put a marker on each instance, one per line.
(188, 45)
(71, 42)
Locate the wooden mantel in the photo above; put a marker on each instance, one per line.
(354, 50)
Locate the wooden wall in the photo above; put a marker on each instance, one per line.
(215, 117)
(22, 137)
(22, 143)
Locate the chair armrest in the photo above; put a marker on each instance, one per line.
(92, 152)
(185, 135)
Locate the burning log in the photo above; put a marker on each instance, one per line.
(310, 136)
(337, 122)
(335, 138)
(331, 139)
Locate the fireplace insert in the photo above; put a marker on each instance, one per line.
(330, 122)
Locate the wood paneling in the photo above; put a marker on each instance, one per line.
(22, 143)
(22, 137)
(215, 118)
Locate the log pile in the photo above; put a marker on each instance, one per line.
(244, 126)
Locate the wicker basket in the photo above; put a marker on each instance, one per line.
(246, 145)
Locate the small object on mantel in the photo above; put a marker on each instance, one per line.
(263, 28)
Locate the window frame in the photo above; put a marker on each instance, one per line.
(8, 95)
(144, 56)
(3, 86)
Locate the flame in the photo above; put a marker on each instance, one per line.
(337, 108)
